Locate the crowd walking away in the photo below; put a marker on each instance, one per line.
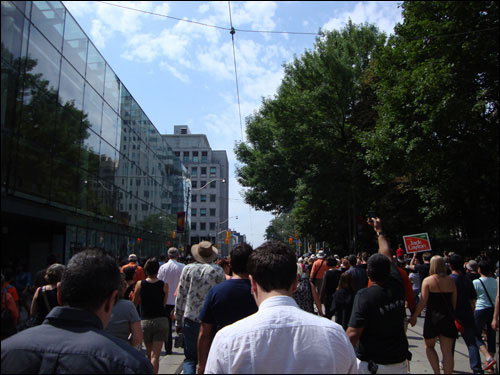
(262, 310)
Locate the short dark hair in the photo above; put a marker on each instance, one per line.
(456, 263)
(273, 266)
(352, 259)
(485, 267)
(239, 258)
(89, 279)
(379, 267)
(152, 266)
(331, 261)
(426, 256)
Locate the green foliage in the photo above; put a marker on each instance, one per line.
(409, 128)
(437, 86)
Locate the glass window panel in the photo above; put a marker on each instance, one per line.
(23, 6)
(194, 198)
(212, 226)
(93, 108)
(203, 212)
(109, 124)
(203, 226)
(68, 138)
(12, 30)
(213, 171)
(33, 169)
(203, 198)
(95, 69)
(75, 44)
(65, 180)
(71, 87)
(48, 16)
(212, 212)
(112, 89)
(107, 162)
(46, 62)
(90, 152)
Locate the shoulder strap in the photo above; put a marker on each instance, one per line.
(319, 268)
(487, 294)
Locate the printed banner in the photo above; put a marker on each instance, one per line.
(415, 243)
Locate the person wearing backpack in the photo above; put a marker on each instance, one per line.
(139, 271)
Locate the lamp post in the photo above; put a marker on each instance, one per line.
(189, 189)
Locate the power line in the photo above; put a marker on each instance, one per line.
(235, 70)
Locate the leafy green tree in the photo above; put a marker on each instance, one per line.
(437, 129)
(302, 149)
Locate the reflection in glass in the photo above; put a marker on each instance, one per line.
(48, 16)
(12, 28)
(90, 152)
(109, 124)
(93, 108)
(47, 59)
(65, 181)
(95, 69)
(112, 89)
(75, 44)
(71, 86)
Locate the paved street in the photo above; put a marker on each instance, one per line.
(172, 364)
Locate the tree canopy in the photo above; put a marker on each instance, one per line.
(406, 126)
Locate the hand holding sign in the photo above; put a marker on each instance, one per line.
(416, 243)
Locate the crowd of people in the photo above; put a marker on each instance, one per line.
(262, 310)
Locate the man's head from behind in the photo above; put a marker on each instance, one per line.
(273, 266)
(352, 260)
(239, 258)
(173, 253)
(378, 268)
(89, 279)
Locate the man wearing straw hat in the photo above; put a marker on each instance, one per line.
(196, 280)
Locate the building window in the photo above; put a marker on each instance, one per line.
(203, 198)
(202, 183)
(145, 206)
(194, 184)
(213, 171)
(195, 157)
(203, 212)
(212, 226)
(193, 211)
(204, 156)
(194, 198)
(203, 171)
(194, 171)
(193, 226)
(212, 197)
(212, 212)
(177, 153)
(203, 226)
(185, 158)
(213, 184)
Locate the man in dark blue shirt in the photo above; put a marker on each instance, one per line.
(226, 303)
(72, 339)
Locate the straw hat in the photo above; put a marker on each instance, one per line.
(204, 252)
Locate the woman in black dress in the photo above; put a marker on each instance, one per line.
(439, 294)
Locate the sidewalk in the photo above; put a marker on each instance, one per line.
(172, 363)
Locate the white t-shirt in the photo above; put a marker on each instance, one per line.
(283, 339)
(170, 273)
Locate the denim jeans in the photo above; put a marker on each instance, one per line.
(190, 331)
(469, 337)
(168, 343)
(483, 318)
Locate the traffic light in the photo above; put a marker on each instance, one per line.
(290, 240)
(173, 234)
(138, 240)
(228, 236)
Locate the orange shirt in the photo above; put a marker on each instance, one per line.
(12, 291)
(139, 271)
(319, 268)
(11, 306)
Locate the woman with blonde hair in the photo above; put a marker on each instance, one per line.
(439, 294)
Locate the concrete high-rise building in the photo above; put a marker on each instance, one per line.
(208, 171)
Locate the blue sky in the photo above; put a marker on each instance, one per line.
(182, 73)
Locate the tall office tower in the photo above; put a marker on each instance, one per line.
(208, 171)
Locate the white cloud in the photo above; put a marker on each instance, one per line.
(182, 77)
(384, 14)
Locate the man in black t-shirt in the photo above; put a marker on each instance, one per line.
(376, 328)
(329, 285)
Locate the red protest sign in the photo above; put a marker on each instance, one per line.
(415, 243)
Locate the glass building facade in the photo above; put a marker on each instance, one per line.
(81, 163)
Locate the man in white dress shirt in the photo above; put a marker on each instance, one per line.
(170, 273)
(279, 338)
